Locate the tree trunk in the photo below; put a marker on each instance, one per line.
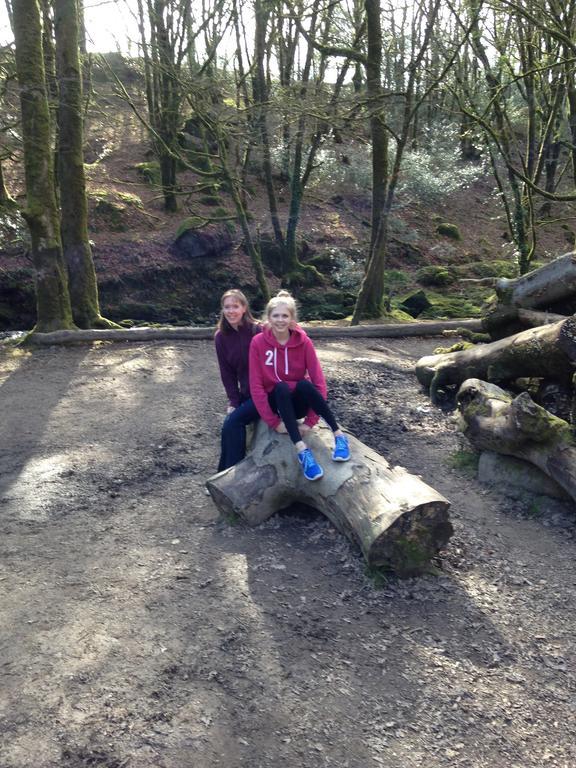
(52, 298)
(397, 520)
(260, 95)
(72, 183)
(5, 198)
(545, 352)
(495, 421)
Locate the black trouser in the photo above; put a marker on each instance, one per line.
(233, 437)
(293, 405)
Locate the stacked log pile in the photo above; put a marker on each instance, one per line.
(499, 384)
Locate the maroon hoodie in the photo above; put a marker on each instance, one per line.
(232, 351)
(271, 362)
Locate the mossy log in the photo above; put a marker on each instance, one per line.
(517, 426)
(315, 332)
(548, 351)
(397, 520)
(542, 287)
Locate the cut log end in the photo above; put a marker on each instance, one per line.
(409, 545)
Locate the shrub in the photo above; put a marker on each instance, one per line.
(449, 230)
(209, 200)
(435, 276)
(149, 172)
(431, 173)
(335, 170)
(348, 268)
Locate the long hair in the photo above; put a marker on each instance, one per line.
(223, 325)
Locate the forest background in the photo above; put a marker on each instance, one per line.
(356, 152)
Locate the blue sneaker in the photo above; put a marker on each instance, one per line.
(341, 450)
(312, 470)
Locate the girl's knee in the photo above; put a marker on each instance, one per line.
(281, 388)
(231, 423)
(305, 386)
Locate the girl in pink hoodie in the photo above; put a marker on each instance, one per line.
(287, 383)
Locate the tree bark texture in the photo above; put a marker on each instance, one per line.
(52, 299)
(5, 198)
(369, 300)
(72, 182)
(548, 351)
(496, 421)
(542, 287)
(397, 520)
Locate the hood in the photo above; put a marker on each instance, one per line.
(297, 337)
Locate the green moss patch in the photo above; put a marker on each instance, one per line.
(435, 276)
(448, 230)
(464, 461)
(149, 172)
(448, 307)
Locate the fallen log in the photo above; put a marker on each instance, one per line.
(532, 318)
(504, 320)
(428, 328)
(548, 351)
(515, 426)
(542, 287)
(397, 520)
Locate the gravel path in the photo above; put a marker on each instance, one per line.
(139, 629)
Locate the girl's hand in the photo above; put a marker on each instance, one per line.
(281, 429)
(230, 410)
(303, 428)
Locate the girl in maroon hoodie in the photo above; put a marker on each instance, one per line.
(287, 383)
(236, 328)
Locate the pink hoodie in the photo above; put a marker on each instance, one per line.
(271, 362)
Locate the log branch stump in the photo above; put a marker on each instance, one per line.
(397, 520)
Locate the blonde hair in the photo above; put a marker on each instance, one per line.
(282, 298)
(234, 293)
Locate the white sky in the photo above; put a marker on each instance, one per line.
(109, 26)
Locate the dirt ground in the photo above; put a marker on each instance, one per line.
(138, 628)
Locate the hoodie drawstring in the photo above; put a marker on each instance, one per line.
(285, 363)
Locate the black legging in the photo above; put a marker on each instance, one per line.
(293, 405)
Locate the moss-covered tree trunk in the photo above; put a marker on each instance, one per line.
(369, 301)
(260, 94)
(5, 198)
(52, 299)
(293, 265)
(168, 100)
(72, 183)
